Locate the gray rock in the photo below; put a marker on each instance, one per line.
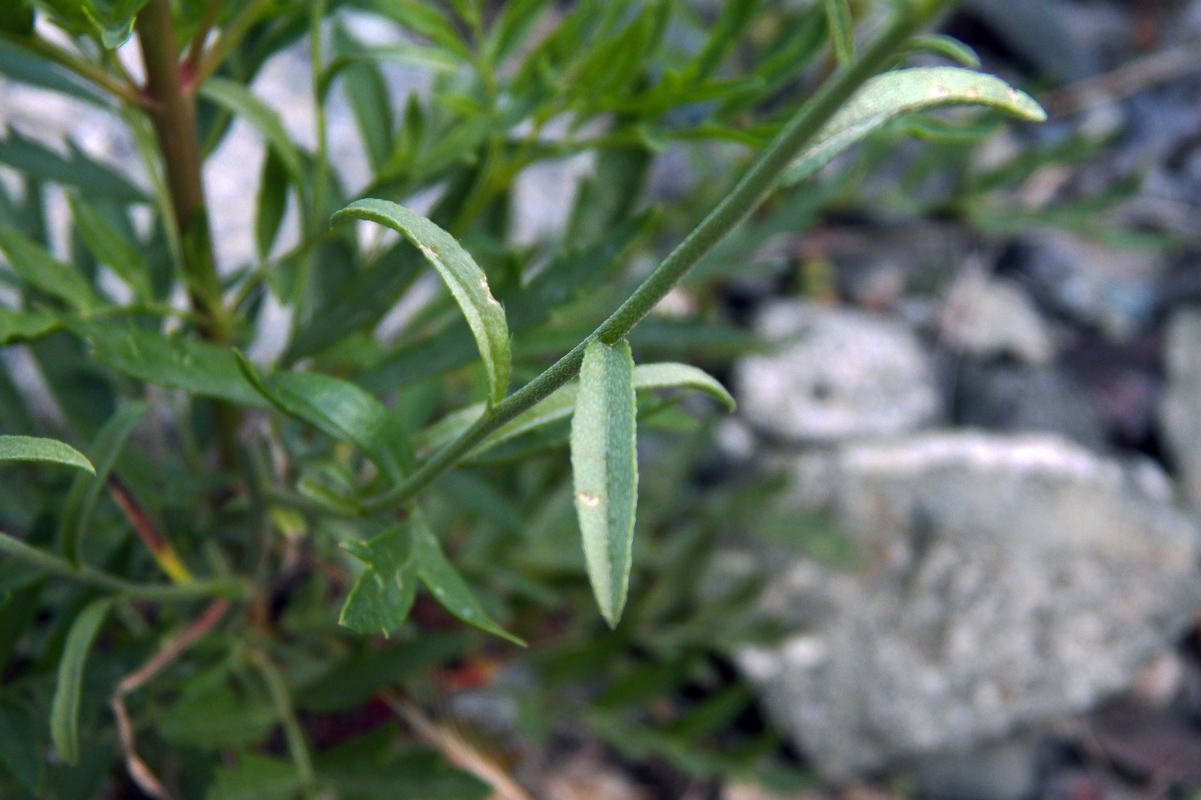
(1180, 409)
(985, 317)
(1006, 581)
(1005, 770)
(836, 374)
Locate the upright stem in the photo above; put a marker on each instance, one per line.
(744, 198)
(174, 115)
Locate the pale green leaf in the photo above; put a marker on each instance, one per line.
(462, 276)
(946, 46)
(64, 710)
(33, 448)
(447, 585)
(604, 465)
(905, 91)
(237, 99)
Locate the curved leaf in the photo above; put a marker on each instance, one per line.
(462, 275)
(85, 491)
(34, 448)
(604, 466)
(340, 410)
(842, 30)
(64, 711)
(946, 46)
(904, 91)
(24, 326)
(681, 376)
(448, 586)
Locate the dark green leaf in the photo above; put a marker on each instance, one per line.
(271, 205)
(19, 745)
(216, 719)
(462, 276)
(74, 169)
(38, 268)
(447, 585)
(16, 18)
(174, 362)
(255, 778)
(425, 20)
(383, 593)
(110, 247)
(604, 465)
(24, 326)
(842, 30)
(33, 448)
(85, 491)
(64, 711)
(26, 67)
(904, 91)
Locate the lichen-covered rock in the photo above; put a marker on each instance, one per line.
(1005, 581)
(1180, 409)
(833, 375)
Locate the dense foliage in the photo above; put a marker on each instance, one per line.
(220, 599)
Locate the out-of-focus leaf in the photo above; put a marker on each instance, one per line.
(16, 18)
(271, 204)
(255, 777)
(512, 23)
(904, 91)
(462, 276)
(33, 448)
(367, 92)
(174, 362)
(842, 30)
(38, 268)
(110, 247)
(75, 169)
(86, 489)
(383, 593)
(369, 768)
(19, 745)
(736, 16)
(425, 20)
(447, 585)
(215, 719)
(24, 326)
(946, 46)
(341, 410)
(363, 675)
(64, 711)
(110, 20)
(26, 67)
(237, 99)
(604, 466)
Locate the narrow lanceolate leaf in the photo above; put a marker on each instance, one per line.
(111, 248)
(86, 489)
(384, 591)
(340, 410)
(237, 99)
(560, 404)
(946, 46)
(33, 448)
(842, 30)
(24, 326)
(64, 711)
(905, 91)
(462, 275)
(43, 271)
(448, 586)
(604, 465)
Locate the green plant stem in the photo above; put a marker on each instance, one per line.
(750, 191)
(298, 746)
(196, 48)
(84, 69)
(174, 118)
(39, 559)
(227, 41)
